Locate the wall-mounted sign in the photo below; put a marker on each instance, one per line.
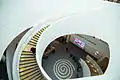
(79, 42)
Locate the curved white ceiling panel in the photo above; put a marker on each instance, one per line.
(95, 23)
(94, 17)
(16, 16)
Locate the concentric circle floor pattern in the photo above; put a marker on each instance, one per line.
(63, 69)
(59, 65)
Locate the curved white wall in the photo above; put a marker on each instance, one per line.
(16, 16)
(93, 23)
(10, 53)
(86, 70)
(23, 42)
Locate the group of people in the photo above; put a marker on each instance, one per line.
(79, 68)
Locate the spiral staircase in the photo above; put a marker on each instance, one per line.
(25, 62)
(28, 67)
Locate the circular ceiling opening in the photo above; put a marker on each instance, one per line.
(75, 56)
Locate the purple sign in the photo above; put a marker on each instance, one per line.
(79, 42)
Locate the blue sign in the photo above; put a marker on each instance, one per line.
(79, 42)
